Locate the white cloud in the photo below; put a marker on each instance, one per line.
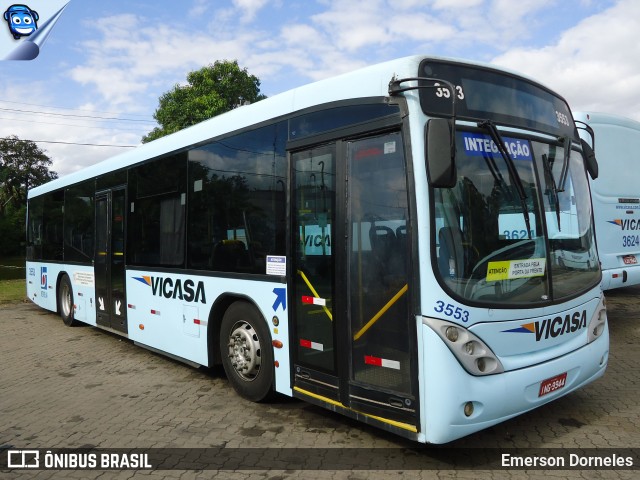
(420, 27)
(125, 61)
(301, 34)
(249, 8)
(69, 129)
(353, 25)
(67, 157)
(199, 8)
(459, 5)
(594, 64)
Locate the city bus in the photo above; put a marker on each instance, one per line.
(615, 196)
(385, 244)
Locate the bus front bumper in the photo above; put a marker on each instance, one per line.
(620, 277)
(456, 404)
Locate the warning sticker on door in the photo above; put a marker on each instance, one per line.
(276, 265)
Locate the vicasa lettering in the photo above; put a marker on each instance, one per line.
(554, 327)
(627, 223)
(168, 287)
(317, 241)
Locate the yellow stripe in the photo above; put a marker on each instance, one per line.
(319, 397)
(315, 294)
(404, 426)
(382, 311)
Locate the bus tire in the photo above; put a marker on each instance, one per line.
(65, 301)
(247, 356)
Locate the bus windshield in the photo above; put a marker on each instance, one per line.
(493, 246)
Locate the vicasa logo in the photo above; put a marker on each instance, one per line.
(626, 224)
(168, 287)
(553, 327)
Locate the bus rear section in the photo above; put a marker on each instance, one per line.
(615, 196)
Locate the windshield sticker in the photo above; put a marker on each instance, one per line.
(512, 269)
(478, 145)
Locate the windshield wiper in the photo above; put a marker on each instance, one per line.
(554, 188)
(564, 173)
(495, 172)
(490, 127)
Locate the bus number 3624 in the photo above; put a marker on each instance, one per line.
(631, 240)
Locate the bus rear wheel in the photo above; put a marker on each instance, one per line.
(247, 356)
(65, 301)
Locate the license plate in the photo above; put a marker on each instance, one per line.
(552, 384)
(629, 259)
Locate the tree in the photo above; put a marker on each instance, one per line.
(22, 166)
(12, 228)
(210, 91)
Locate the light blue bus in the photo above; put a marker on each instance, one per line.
(344, 243)
(615, 195)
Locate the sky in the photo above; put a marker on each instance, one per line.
(95, 84)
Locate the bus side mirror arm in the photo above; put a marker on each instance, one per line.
(440, 153)
(590, 159)
(588, 150)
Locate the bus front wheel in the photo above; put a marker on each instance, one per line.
(65, 301)
(247, 356)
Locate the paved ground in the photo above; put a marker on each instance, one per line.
(78, 387)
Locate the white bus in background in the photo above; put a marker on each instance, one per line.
(616, 196)
(343, 243)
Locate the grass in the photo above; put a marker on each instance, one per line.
(12, 291)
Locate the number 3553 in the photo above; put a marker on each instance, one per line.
(452, 311)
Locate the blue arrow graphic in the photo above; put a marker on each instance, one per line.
(281, 298)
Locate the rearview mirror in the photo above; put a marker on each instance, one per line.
(590, 159)
(440, 153)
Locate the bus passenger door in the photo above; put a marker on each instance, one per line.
(354, 332)
(381, 333)
(313, 215)
(111, 307)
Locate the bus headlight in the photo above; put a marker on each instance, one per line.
(469, 348)
(472, 353)
(598, 322)
(452, 334)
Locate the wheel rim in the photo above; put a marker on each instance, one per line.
(65, 300)
(244, 351)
